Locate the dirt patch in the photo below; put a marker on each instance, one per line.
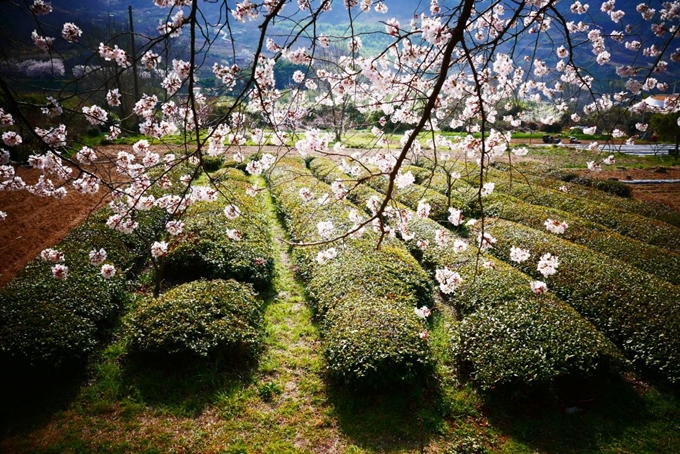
(663, 193)
(34, 223)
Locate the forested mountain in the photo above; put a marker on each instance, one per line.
(101, 19)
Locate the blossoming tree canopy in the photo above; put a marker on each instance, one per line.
(206, 75)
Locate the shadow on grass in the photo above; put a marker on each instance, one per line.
(185, 385)
(396, 418)
(604, 414)
(32, 394)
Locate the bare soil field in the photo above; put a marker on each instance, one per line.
(664, 193)
(34, 223)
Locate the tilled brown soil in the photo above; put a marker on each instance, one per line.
(665, 193)
(34, 223)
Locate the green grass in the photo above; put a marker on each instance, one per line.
(611, 417)
(552, 157)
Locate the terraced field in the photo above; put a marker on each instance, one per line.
(431, 343)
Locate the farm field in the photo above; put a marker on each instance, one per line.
(305, 371)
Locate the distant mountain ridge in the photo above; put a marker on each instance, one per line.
(98, 16)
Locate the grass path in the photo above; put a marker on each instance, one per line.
(290, 373)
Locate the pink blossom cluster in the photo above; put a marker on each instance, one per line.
(449, 280)
(116, 54)
(173, 28)
(40, 7)
(548, 264)
(44, 43)
(555, 226)
(322, 257)
(95, 115)
(71, 32)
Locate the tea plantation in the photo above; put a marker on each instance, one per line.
(253, 345)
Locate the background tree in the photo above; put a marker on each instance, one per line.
(667, 129)
(430, 67)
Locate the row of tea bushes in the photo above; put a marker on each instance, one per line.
(215, 310)
(612, 211)
(412, 194)
(612, 187)
(204, 250)
(632, 225)
(637, 294)
(364, 298)
(637, 311)
(49, 321)
(592, 188)
(461, 195)
(537, 175)
(652, 259)
(647, 257)
(508, 334)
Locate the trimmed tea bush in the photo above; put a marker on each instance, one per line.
(652, 259)
(129, 253)
(301, 217)
(607, 292)
(212, 163)
(374, 340)
(53, 321)
(388, 271)
(637, 311)
(528, 341)
(204, 250)
(633, 225)
(538, 176)
(229, 173)
(574, 184)
(613, 187)
(365, 298)
(500, 300)
(198, 318)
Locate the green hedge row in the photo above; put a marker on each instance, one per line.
(539, 175)
(204, 250)
(637, 311)
(628, 296)
(605, 191)
(543, 337)
(647, 257)
(613, 187)
(200, 318)
(410, 195)
(633, 225)
(299, 217)
(365, 298)
(531, 342)
(508, 335)
(652, 259)
(461, 195)
(51, 321)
